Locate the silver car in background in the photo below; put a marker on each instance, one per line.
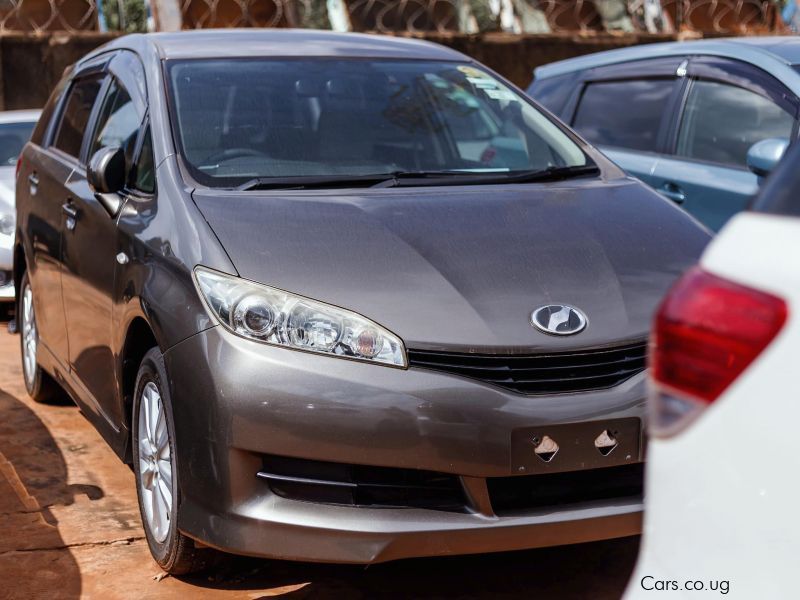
(15, 130)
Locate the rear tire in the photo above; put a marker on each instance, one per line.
(39, 385)
(155, 468)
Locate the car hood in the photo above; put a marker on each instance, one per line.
(462, 268)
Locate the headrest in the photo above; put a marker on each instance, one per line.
(343, 88)
(308, 88)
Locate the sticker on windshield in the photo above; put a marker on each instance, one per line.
(501, 95)
(483, 83)
(471, 71)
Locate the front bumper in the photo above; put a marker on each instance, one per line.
(235, 401)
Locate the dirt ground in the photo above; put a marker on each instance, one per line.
(69, 528)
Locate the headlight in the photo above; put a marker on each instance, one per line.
(7, 224)
(272, 316)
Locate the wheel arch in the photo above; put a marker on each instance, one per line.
(19, 266)
(139, 339)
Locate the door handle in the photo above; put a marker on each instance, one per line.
(72, 214)
(33, 182)
(673, 192)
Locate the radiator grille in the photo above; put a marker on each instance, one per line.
(541, 373)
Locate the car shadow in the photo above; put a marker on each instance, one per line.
(598, 570)
(33, 478)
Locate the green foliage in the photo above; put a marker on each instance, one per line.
(129, 16)
(315, 16)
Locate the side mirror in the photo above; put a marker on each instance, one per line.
(106, 177)
(764, 156)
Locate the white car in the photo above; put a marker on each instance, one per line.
(723, 473)
(15, 130)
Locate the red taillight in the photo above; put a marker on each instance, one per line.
(707, 332)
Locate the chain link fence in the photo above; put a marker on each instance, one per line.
(391, 16)
(555, 16)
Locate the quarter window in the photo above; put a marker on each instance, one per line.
(721, 122)
(76, 114)
(145, 172)
(623, 114)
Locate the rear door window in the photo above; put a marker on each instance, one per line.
(623, 114)
(46, 117)
(721, 122)
(76, 113)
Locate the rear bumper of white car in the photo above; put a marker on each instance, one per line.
(721, 495)
(7, 293)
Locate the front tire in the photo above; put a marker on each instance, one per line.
(154, 465)
(39, 385)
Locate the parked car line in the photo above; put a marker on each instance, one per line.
(685, 117)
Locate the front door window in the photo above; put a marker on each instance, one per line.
(721, 122)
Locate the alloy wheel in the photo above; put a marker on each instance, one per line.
(29, 336)
(155, 463)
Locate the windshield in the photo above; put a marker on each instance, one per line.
(13, 136)
(240, 119)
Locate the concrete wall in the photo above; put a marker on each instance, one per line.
(31, 64)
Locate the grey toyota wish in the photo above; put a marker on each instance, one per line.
(340, 297)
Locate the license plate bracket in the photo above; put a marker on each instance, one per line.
(578, 446)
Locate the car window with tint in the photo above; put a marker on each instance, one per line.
(75, 116)
(553, 92)
(39, 131)
(623, 114)
(118, 122)
(721, 122)
(238, 119)
(13, 136)
(144, 178)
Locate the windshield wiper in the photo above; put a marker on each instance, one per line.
(302, 182)
(554, 174)
(416, 178)
(484, 178)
